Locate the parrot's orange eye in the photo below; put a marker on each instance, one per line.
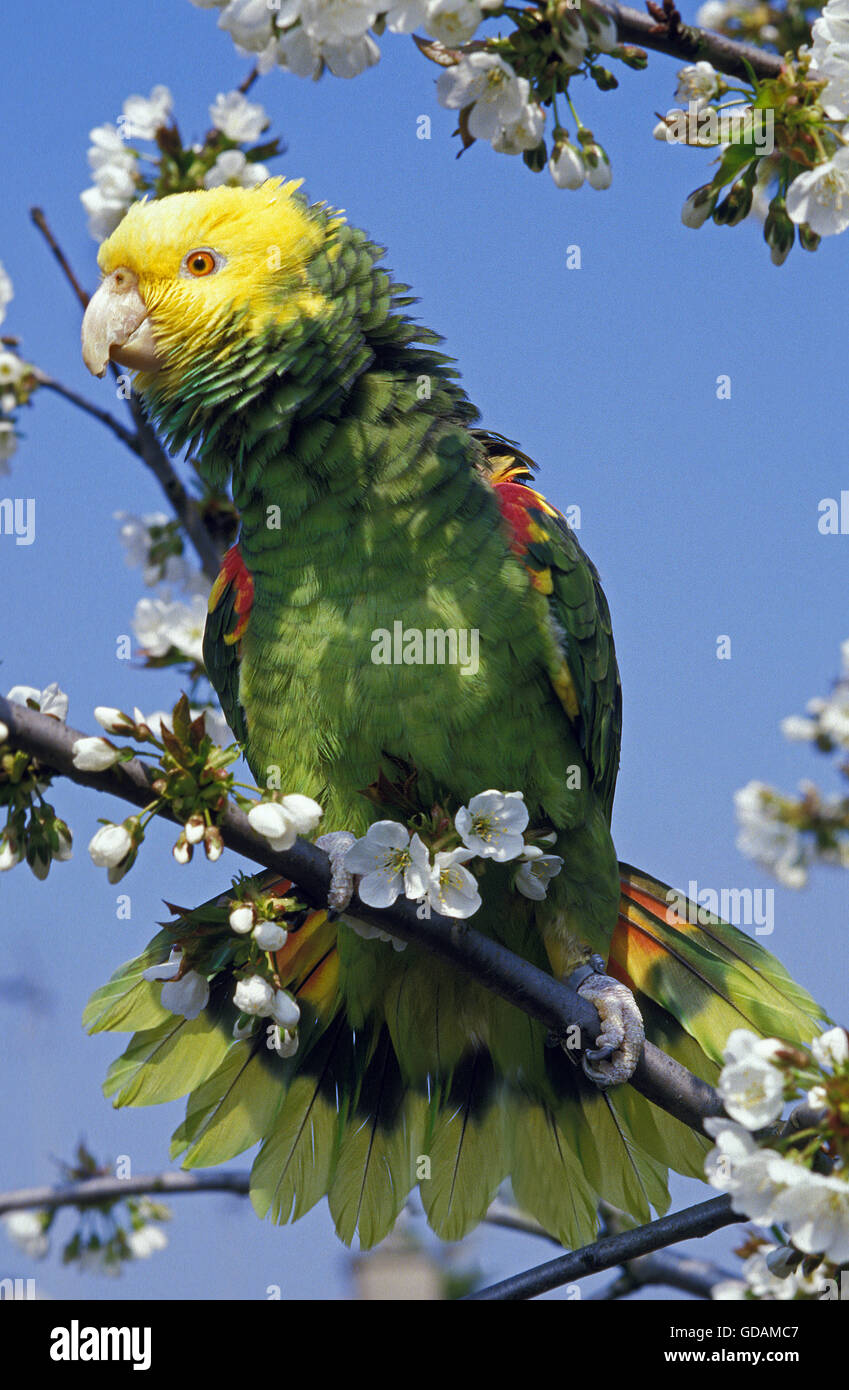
(201, 262)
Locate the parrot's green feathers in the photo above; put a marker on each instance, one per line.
(377, 516)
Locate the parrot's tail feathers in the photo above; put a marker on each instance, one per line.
(707, 975)
(387, 1089)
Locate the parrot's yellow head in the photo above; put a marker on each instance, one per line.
(178, 269)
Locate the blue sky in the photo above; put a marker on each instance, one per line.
(700, 513)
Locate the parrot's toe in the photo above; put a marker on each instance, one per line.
(336, 845)
(619, 1044)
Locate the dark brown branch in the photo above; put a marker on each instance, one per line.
(693, 45)
(186, 509)
(559, 1008)
(245, 87)
(38, 217)
(614, 1250)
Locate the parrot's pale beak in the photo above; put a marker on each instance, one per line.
(116, 327)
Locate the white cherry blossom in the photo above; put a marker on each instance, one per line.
(391, 862)
(536, 873)
(249, 22)
(237, 118)
(233, 168)
(497, 94)
(820, 196)
(697, 83)
(831, 1049)
(452, 889)
(492, 825)
(142, 116)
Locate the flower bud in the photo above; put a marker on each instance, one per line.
(599, 172)
(242, 919)
(94, 754)
(631, 55)
(603, 78)
(10, 855)
(566, 165)
(535, 158)
(194, 829)
(699, 206)
(269, 936)
(110, 846)
(254, 995)
(284, 1010)
(182, 850)
(736, 206)
(213, 843)
(809, 240)
(779, 231)
(114, 721)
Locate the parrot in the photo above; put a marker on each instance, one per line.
(267, 338)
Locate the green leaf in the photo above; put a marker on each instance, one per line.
(233, 1109)
(128, 1001)
(735, 158)
(165, 1062)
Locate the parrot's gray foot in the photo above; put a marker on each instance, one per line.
(619, 1044)
(336, 845)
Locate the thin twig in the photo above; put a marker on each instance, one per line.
(559, 1008)
(91, 1192)
(185, 507)
(38, 217)
(677, 1271)
(245, 87)
(512, 1219)
(693, 45)
(126, 436)
(614, 1250)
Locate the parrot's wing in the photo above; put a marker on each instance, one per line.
(588, 682)
(229, 608)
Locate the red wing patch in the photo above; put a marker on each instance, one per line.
(234, 575)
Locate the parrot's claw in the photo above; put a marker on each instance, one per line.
(619, 1044)
(336, 845)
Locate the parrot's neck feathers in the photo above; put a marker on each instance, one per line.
(347, 351)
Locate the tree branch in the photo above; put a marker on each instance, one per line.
(693, 45)
(614, 1250)
(126, 436)
(658, 1077)
(92, 1191)
(186, 509)
(510, 1218)
(40, 221)
(674, 1270)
